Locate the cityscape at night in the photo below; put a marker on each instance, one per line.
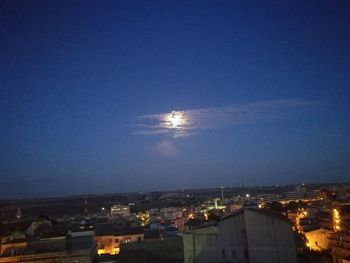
(198, 131)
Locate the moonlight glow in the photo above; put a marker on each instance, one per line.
(175, 120)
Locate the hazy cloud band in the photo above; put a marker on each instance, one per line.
(220, 117)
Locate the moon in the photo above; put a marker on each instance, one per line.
(175, 120)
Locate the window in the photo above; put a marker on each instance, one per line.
(126, 240)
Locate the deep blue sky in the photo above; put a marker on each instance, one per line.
(74, 76)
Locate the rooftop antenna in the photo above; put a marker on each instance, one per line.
(86, 203)
(222, 193)
(19, 214)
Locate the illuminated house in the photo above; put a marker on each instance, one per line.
(120, 211)
(269, 198)
(317, 239)
(109, 237)
(173, 214)
(248, 235)
(341, 218)
(339, 241)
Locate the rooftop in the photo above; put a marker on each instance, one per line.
(41, 247)
(111, 229)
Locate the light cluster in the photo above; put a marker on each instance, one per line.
(336, 220)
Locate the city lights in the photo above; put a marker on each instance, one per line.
(164, 131)
(336, 220)
(300, 215)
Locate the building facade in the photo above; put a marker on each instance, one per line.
(120, 211)
(248, 235)
(72, 250)
(109, 238)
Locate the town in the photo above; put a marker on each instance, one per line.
(294, 223)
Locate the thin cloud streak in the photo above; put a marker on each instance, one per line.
(150, 132)
(195, 120)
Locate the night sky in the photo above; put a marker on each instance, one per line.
(262, 89)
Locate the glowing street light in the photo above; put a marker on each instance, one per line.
(336, 220)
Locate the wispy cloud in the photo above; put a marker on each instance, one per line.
(166, 148)
(185, 123)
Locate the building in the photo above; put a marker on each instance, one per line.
(294, 195)
(14, 228)
(317, 239)
(155, 250)
(171, 213)
(269, 198)
(174, 215)
(120, 211)
(109, 237)
(70, 249)
(234, 207)
(339, 243)
(201, 243)
(342, 213)
(247, 235)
